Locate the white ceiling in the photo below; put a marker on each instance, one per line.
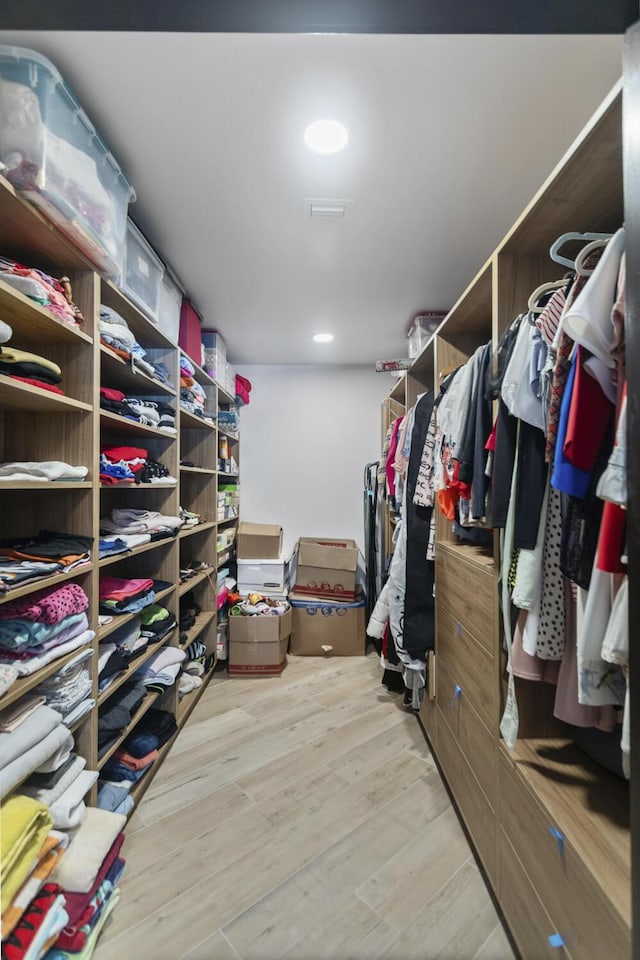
(449, 137)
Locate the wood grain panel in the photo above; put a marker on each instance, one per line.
(467, 587)
(477, 742)
(529, 922)
(478, 816)
(469, 665)
(579, 905)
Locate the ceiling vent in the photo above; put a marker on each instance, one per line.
(326, 209)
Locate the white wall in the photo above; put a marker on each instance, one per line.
(304, 440)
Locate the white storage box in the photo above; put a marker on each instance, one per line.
(421, 331)
(257, 575)
(56, 159)
(143, 271)
(171, 294)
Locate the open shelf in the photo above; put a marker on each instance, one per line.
(222, 523)
(225, 397)
(234, 437)
(15, 395)
(114, 420)
(145, 331)
(195, 581)
(199, 528)
(119, 374)
(146, 704)
(124, 485)
(188, 419)
(225, 556)
(120, 619)
(211, 473)
(135, 664)
(200, 374)
(46, 583)
(143, 548)
(202, 622)
(45, 484)
(32, 324)
(25, 684)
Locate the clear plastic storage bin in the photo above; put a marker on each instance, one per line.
(171, 295)
(421, 330)
(143, 272)
(213, 340)
(56, 160)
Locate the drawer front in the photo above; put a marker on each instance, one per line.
(477, 743)
(476, 811)
(589, 925)
(468, 664)
(528, 921)
(470, 591)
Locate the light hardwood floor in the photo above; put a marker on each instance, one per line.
(301, 817)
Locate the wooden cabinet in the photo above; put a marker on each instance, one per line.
(550, 826)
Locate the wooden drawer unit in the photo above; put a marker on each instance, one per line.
(577, 900)
(476, 810)
(477, 743)
(468, 664)
(467, 587)
(529, 923)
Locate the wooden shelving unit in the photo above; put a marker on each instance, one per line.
(36, 424)
(509, 801)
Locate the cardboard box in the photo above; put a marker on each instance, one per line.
(326, 568)
(259, 541)
(324, 628)
(258, 645)
(257, 575)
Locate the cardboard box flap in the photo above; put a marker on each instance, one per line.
(261, 541)
(327, 553)
(259, 529)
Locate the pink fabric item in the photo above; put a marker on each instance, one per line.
(117, 588)
(47, 606)
(527, 667)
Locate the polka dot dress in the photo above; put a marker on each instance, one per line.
(552, 626)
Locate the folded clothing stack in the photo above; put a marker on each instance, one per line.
(88, 876)
(30, 368)
(116, 335)
(118, 712)
(33, 911)
(27, 559)
(193, 399)
(161, 670)
(54, 295)
(41, 742)
(43, 626)
(121, 595)
(63, 791)
(68, 691)
(128, 642)
(124, 464)
(126, 768)
(38, 471)
(129, 522)
(152, 413)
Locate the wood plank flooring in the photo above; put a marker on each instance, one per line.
(301, 817)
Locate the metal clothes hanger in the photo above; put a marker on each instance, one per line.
(565, 238)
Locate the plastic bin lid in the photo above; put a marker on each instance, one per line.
(11, 54)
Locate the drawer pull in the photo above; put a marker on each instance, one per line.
(556, 940)
(457, 692)
(559, 838)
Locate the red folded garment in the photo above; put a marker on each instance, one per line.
(118, 588)
(17, 943)
(39, 383)
(109, 394)
(116, 454)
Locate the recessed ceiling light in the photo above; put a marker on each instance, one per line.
(323, 337)
(325, 136)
